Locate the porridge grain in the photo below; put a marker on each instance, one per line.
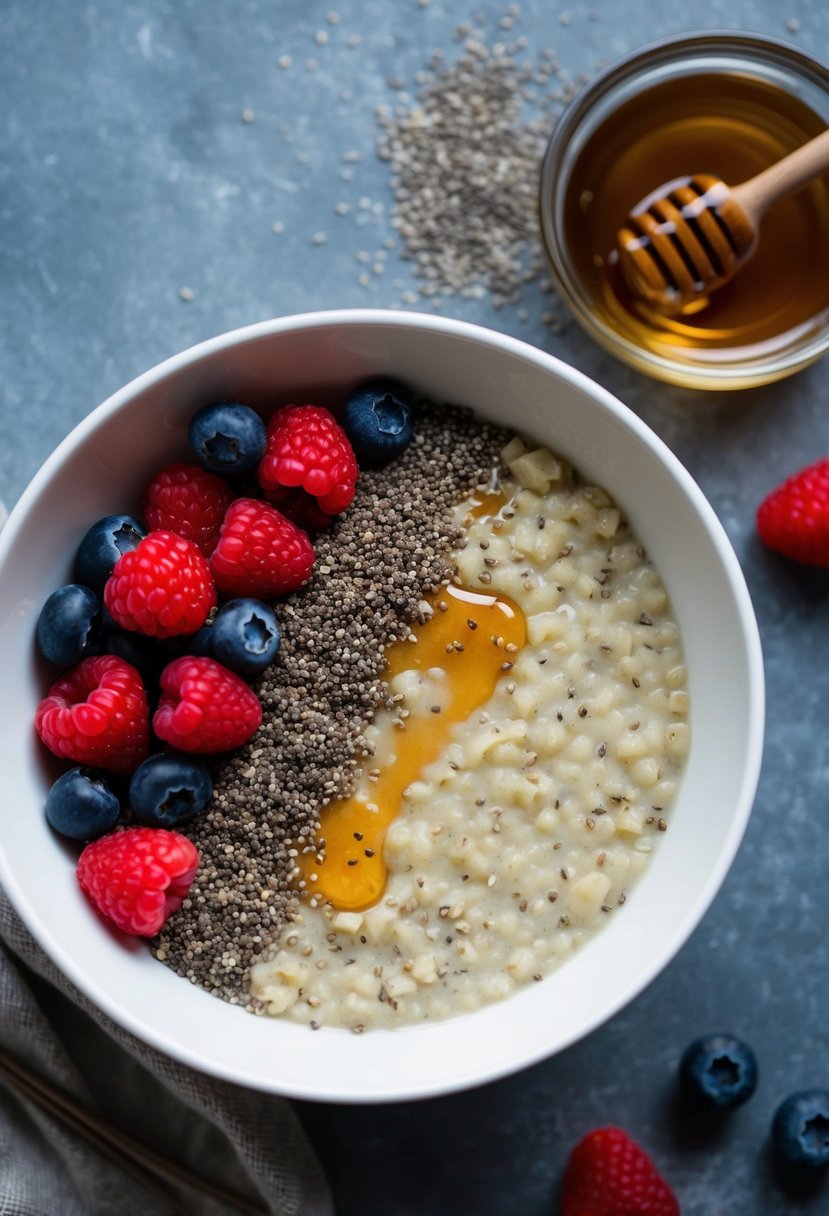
(591, 716)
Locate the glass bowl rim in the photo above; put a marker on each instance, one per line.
(735, 375)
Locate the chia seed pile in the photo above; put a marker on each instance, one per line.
(465, 163)
(373, 568)
(464, 140)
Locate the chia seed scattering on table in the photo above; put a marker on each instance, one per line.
(465, 162)
(372, 570)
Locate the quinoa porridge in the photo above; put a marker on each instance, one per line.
(518, 828)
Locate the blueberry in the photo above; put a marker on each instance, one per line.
(104, 543)
(800, 1128)
(246, 636)
(227, 438)
(143, 653)
(200, 643)
(169, 789)
(718, 1071)
(379, 420)
(69, 625)
(81, 805)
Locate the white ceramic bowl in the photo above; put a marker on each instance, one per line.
(104, 464)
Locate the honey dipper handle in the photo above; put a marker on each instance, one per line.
(787, 175)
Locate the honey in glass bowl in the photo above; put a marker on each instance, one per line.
(720, 112)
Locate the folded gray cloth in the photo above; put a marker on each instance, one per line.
(249, 1143)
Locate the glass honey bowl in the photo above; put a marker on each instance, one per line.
(728, 104)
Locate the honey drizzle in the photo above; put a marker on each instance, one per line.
(473, 638)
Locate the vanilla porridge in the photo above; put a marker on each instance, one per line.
(533, 816)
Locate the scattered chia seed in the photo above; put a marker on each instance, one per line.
(317, 698)
(464, 162)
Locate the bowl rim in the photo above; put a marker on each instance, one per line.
(38, 925)
(708, 376)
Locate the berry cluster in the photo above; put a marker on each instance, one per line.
(169, 617)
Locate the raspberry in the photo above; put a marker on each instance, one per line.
(794, 518)
(189, 501)
(260, 553)
(161, 588)
(204, 707)
(301, 509)
(608, 1174)
(307, 447)
(138, 877)
(96, 714)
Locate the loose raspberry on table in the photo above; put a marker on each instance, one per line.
(794, 518)
(162, 588)
(307, 447)
(189, 501)
(608, 1174)
(204, 707)
(260, 553)
(137, 877)
(96, 714)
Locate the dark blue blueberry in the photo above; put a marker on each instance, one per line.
(69, 625)
(227, 438)
(245, 636)
(800, 1128)
(200, 643)
(379, 420)
(81, 805)
(104, 543)
(145, 654)
(169, 789)
(718, 1071)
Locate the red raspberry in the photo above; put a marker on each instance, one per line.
(189, 501)
(608, 1174)
(307, 447)
(260, 552)
(204, 707)
(96, 714)
(162, 587)
(138, 877)
(794, 518)
(301, 509)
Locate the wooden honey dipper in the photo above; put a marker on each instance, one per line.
(692, 235)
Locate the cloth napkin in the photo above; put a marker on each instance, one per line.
(247, 1142)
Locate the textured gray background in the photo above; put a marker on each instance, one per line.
(127, 173)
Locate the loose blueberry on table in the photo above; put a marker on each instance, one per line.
(718, 1071)
(800, 1129)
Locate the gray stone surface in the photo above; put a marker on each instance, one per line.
(127, 173)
